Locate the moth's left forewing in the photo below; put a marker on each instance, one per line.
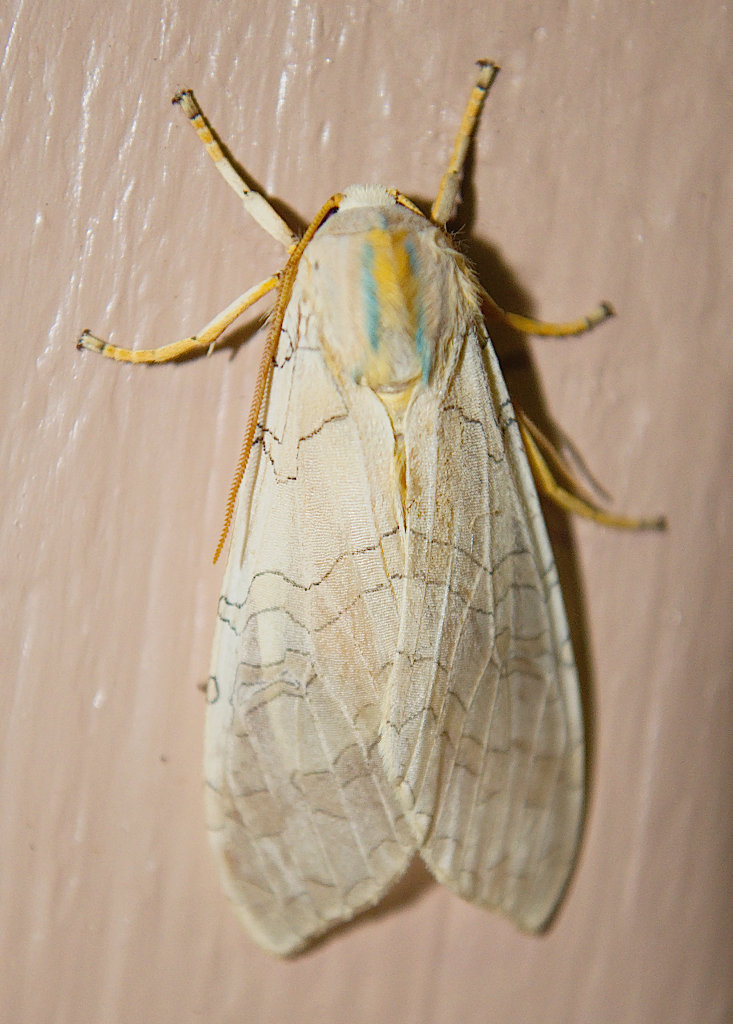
(306, 827)
(482, 733)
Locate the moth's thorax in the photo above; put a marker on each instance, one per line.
(386, 283)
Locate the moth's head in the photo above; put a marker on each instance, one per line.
(356, 196)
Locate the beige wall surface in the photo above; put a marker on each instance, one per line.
(603, 169)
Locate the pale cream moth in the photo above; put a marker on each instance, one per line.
(392, 671)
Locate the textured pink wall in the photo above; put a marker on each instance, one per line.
(603, 169)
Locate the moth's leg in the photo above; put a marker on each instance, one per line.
(547, 465)
(255, 204)
(205, 339)
(528, 325)
(451, 180)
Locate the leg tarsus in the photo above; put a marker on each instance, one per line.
(451, 180)
(205, 339)
(542, 328)
(255, 204)
(571, 498)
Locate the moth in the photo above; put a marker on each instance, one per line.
(392, 672)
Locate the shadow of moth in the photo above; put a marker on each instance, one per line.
(392, 672)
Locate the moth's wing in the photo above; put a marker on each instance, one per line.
(483, 732)
(305, 825)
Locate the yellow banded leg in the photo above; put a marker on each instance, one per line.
(540, 453)
(451, 180)
(528, 325)
(255, 204)
(205, 339)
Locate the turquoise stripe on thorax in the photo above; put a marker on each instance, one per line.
(371, 297)
(423, 349)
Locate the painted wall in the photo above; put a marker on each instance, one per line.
(602, 169)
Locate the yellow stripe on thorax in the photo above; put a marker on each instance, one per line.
(390, 284)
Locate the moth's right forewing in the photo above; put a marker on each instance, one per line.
(483, 730)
